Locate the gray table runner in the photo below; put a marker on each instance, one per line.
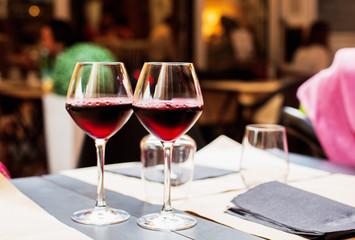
(157, 173)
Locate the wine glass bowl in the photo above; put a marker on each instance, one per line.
(99, 100)
(167, 101)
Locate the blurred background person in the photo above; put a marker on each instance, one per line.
(112, 29)
(162, 45)
(113, 34)
(314, 55)
(55, 36)
(236, 49)
(243, 43)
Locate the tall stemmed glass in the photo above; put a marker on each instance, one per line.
(167, 101)
(99, 100)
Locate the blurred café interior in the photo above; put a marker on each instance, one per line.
(244, 52)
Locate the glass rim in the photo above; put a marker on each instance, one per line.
(101, 63)
(265, 127)
(169, 63)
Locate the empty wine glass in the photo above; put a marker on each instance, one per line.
(264, 155)
(182, 167)
(99, 100)
(167, 101)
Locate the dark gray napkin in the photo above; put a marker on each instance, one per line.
(200, 172)
(295, 211)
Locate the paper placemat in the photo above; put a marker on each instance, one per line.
(225, 153)
(214, 207)
(25, 220)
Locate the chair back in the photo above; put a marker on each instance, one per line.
(300, 133)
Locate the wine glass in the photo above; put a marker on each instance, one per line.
(264, 147)
(167, 101)
(99, 100)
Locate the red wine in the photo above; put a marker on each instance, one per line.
(102, 117)
(168, 120)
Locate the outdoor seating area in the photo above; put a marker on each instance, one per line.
(177, 119)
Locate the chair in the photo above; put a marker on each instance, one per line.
(300, 133)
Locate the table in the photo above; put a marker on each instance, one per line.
(247, 97)
(61, 195)
(20, 89)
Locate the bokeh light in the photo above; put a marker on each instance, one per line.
(34, 11)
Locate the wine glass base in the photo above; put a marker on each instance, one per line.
(158, 221)
(100, 216)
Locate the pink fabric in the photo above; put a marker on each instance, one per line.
(4, 171)
(329, 101)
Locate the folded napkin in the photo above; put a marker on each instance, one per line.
(295, 211)
(156, 173)
(329, 101)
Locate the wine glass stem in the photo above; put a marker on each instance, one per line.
(168, 149)
(100, 153)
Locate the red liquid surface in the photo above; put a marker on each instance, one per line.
(168, 121)
(100, 118)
